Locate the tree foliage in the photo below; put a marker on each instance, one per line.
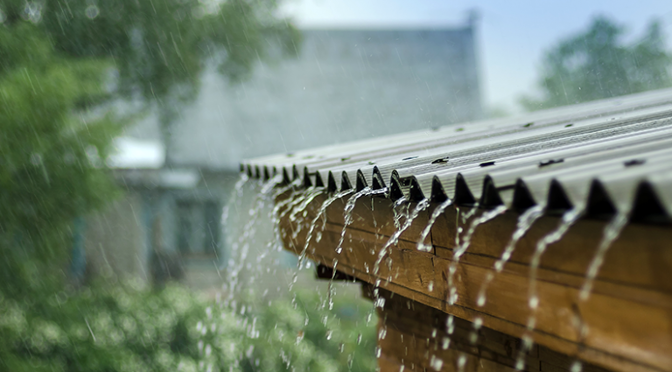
(50, 169)
(60, 62)
(159, 47)
(598, 63)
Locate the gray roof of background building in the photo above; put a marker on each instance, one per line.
(345, 85)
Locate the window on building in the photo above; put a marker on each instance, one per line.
(198, 230)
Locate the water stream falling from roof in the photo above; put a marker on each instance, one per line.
(525, 222)
(241, 247)
(438, 211)
(298, 210)
(394, 239)
(350, 206)
(611, 232)
(461, 249)
(321, 213)
(295, 206)
(293, 212)
(568, 219)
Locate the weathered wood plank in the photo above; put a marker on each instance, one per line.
(415, 337)
(641, 256)
(629, 317)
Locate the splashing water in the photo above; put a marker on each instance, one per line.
(577, 366)
(525, 222)
(379, 301)
(568, 219)
(350, 206)
(294, 203)
(394, 239)
(436, 363)
(321, 213)
(241, 247)
(462, 248)
(308, 196)
(331, 290)
(432, 220)
(398, 204)
(299, 211)
(611, 233)
(237, 195)
(347, 220)
(461, 362)
(295, 206)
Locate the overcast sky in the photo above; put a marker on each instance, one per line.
(513, 34)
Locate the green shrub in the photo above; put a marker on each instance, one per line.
(103, 328)
(122, 327)
(303, 335)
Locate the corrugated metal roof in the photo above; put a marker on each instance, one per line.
(608, 156)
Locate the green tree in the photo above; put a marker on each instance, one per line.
(598, 63)
(50, 167)
(158, 49)
(61, 63)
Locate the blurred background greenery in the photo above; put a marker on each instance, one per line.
(122, 327)
(61, 63)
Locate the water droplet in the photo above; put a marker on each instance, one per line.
(208, 350)
(461, 361)
(577, 366)
(92, 11)
(436, 363)
(359, 339)
(534, 302)
(478, 323)
(329, 334)
(520, 364)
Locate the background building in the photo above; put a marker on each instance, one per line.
(345, 85)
